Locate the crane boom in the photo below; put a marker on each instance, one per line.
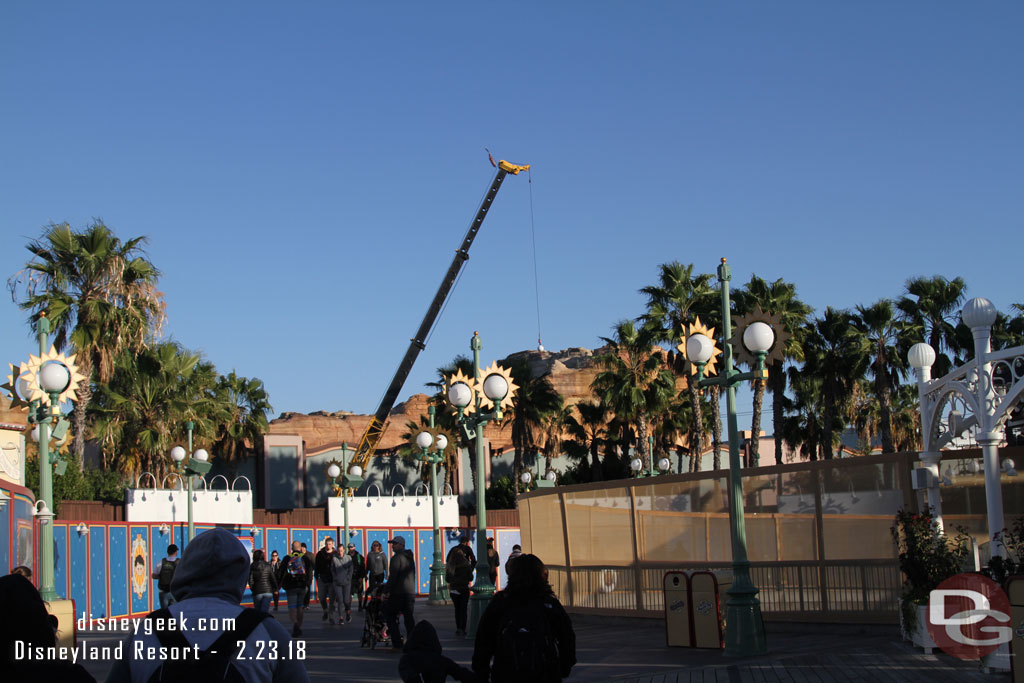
(375, 429)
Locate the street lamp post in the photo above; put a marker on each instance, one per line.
(198, 465)
(352, 480)
(493, 388)
(438, 586)
(744, 635)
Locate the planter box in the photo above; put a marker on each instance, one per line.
(920, 637)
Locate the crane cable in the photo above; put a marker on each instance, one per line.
(536, 279)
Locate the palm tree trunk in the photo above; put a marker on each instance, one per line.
(777, 381)
(84, 395)
(826, 429)
(697, 432)
(755, 424)
(885, 398)
(595, 464)
(641, 438)
(716, 428)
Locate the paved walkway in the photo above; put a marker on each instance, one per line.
(633, 650)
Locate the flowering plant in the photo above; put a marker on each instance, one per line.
(927, 558)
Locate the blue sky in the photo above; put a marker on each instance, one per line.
(304, 172)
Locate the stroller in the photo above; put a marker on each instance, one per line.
(375, 629)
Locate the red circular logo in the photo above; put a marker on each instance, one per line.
(968, 616)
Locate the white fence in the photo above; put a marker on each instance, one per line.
(210, 505)
(396, 510)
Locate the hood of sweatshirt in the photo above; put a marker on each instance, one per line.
(214, 565)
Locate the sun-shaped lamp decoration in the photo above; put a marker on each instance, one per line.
(40, 371)
(496, 388)
(16, 386)
(459, 392)
(334, 471)
(695, 359)
(743, 330)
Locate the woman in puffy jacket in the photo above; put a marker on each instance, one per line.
(262, 581)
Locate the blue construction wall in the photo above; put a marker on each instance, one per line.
(107, 570)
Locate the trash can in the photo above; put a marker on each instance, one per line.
(1015, 592)
(707, 610)
(678, 625)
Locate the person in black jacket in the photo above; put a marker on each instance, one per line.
(322, 573)
(459, 574)
(401, 590)
(262, 581)
(423, 661)
(525, 630)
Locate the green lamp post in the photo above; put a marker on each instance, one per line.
(546, 481)
(198, 465)
(491, 388)
(438, 585)
(351, 481)
(744, 633)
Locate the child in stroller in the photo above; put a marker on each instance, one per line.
(375, 628)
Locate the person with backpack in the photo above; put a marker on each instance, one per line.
(262, 581)
(525, 631)
(376, 568)
(309, 582)
(358, 574)
(459, 574)
(296, 574)
(163, 575)
(207, 588)
(424, 662)
(401, 590)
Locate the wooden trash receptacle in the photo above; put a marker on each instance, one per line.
(707, 611)
(678, 616)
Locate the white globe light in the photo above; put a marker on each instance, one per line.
(355, 471)
(526, 477)
(333, 471)
(921, 355)
(699, 348)
(24, 388)
(978, 312)
(636, 464)
(459, 395)
(201, 455)
(664, 464)
(1009, 466)
(758, 336)
(551, 476)
(54, 377)
(424, 439)
(442, 442)
(972, 467)
(495, 387)
(177, 454)
(35, 433)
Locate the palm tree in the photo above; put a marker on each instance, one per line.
(100, 295)
(534, 400)
(672, 306)
(837, 355)
(446, 417)
(884, 333)
(775, 298)
(244, 403)
(589, 432)
(933, 312)
(634, 378)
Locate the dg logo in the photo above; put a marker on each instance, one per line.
(969, 616)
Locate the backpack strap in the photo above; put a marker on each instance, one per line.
(246, 622)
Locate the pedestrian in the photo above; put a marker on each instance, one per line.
(492, 561)
(525, 631)
(517, 550)
(295, 568)
(309, 580)
(322, 573)
(275, 564)
(164, 573)
(358, 573)
(22, 570)
(401, 590)
(26, 621)
(207, 588)
(262, 581)
(342, 567)
(423, 661)
(376, 567)
(459, 574)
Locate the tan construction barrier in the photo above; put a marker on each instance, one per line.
(678, 615)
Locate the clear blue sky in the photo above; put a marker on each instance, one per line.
(305, 171)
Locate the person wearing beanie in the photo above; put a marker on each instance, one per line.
(401, 590)
(207, 588)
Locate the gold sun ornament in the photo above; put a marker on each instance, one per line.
(335, 486)
(460, 378)
(697, 327)
(506, 374)
(35, 365)
(11, 386)
(772, 320)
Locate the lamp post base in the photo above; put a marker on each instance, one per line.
(438, 586)
(744, 626)
(478, 603)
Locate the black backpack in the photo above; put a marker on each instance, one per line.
(215, 663)
(167, 568)
(526, 643)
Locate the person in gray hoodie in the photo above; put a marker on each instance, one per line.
(401, 590)
(341, 576)
(207, 587)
